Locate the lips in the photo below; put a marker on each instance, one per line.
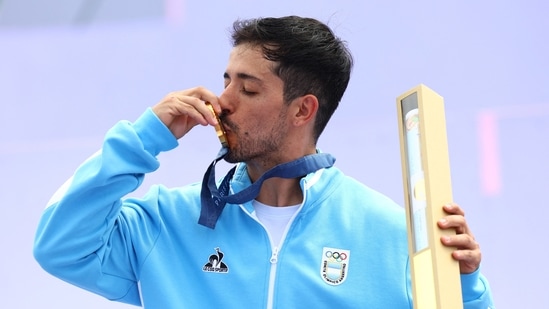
(225, 123)
(225, 127)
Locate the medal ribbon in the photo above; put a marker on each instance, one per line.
(213, 199)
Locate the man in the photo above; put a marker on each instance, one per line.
(309, 238)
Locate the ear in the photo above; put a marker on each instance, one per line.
(305, 110)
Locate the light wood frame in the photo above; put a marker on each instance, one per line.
(427, 187)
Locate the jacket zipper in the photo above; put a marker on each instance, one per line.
(272, 276)
(273, 260)
(276, 249)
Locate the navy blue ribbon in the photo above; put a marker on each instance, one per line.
(213, 200)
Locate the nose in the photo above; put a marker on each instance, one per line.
(227, 102)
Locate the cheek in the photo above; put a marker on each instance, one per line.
(261, 122)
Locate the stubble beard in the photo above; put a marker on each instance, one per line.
(258, 147)
(254, 145)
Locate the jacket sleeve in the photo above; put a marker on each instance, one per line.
(83, 235)
(476, 292)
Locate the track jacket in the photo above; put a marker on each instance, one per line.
(346, 247)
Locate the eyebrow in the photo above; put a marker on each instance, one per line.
(243, 76)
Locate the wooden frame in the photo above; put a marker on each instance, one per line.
(427, 187)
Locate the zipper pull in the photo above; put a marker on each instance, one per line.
(274, 256)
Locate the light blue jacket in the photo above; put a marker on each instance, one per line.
(346, 247)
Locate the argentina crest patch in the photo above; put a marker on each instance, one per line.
(334, 265)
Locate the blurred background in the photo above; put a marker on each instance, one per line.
(70, 69)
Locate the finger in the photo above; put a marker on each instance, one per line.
(213, 114)
(215, 104)
(456, 222)
(200, 113)
(469, 261)
(460, 241)
(179, 105)
(468, 252)
(205, 96)
(190, 103)
(453, 209)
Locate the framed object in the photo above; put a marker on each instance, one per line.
(427, 187)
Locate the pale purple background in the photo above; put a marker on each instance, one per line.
(69, 70)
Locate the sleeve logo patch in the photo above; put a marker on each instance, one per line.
(215, 264)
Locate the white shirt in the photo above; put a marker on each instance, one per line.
(275, 219)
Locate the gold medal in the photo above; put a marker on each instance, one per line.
(219, 128)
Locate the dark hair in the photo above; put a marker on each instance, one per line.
(310, 59)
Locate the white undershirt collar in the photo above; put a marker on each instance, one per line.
(275, 219)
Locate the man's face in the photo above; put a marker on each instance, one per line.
(256, 116)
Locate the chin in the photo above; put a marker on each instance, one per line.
(230, 158)
(235, 155)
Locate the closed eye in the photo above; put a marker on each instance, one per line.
(248, 92)
(244, 80)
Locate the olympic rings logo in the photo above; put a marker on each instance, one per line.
(339, 257)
